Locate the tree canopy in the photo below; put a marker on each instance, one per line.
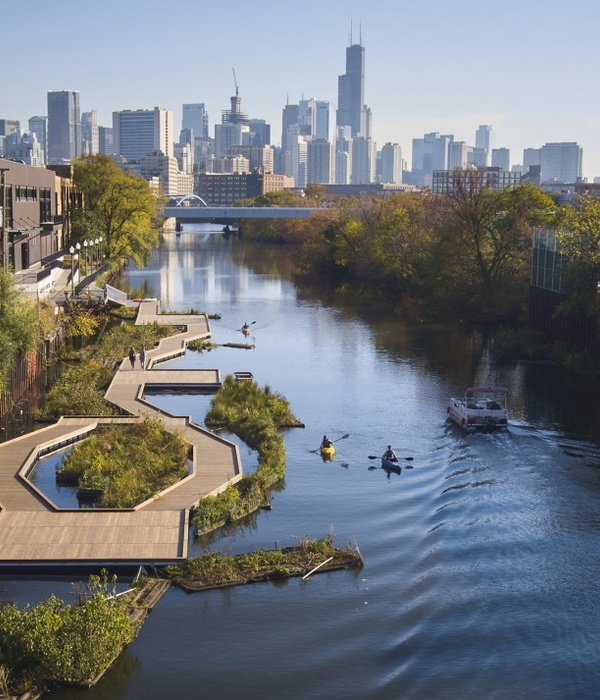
(19, 327)
(118, 206)
(579, 238)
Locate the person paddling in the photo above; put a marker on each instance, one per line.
(326, 442)
(390, 455)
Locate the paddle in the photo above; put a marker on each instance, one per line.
(408, 459)
(246, 325)
(347, 435)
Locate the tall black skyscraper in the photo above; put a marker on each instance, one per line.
(351, 92)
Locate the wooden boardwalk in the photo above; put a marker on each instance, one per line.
(34, 531)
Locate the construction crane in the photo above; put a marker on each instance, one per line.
(235, 83)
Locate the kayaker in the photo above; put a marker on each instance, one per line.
(390, 455)
(326, 442)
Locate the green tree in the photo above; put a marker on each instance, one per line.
(579, 238)
(19, 328)
(120, 206)
(482, 248)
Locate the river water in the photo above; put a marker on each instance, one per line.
(482, 561)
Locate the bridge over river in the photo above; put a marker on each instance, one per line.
(231, 215)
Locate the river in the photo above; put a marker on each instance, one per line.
(482, 560)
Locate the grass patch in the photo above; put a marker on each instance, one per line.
(128, 464)
(254, 415)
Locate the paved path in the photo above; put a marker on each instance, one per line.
(34, 531)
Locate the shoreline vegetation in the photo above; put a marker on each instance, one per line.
(255, 415)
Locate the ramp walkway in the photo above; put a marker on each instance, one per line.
(33, 531)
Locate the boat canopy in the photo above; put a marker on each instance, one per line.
(486, 390)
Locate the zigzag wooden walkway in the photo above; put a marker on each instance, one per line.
(34, 531)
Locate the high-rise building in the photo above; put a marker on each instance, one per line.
(260, 132)
(363, 161)
(484, 143)
(25, 148)
(39, 127)
(89, 133)
(351, 109)
(64, 126)
(195, 117)
(105, 141)
(324, 125)
(290, 115)
(531, 156)
(391, 163)
(9, 126)
(140, 132)
(343, 155)
(321, 162)
(227, 135)
(501, 158)
(560, 162)
(428, 154)
(458, 155)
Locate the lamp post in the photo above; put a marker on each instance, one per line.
(97, 252)
(85, 246)
(72, 251)
(100, 239)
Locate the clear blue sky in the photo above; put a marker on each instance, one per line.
(528, 67)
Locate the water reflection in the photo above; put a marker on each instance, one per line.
(481, 558)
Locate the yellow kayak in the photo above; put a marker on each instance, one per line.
(327, 452)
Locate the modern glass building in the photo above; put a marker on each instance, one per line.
(64, 126)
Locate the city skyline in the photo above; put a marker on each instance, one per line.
(519, 67)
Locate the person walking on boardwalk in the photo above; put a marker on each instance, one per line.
(132, 357)
(143, 357)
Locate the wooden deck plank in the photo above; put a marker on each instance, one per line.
(33, 530)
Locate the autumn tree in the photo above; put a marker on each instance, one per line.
(483, 243)
(117, 205)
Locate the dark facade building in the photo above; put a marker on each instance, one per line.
(547, 292)
(351, 93)
(33, 218)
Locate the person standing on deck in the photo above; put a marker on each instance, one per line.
(132, 357)
(143, 357)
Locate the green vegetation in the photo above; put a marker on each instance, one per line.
(254, 414)
(465, 255)
(119, 207)
(19, 326)
(81, 387)
(192, 312)
(53, 643)
(128, 464)
(213, 570)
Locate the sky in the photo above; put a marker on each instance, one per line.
(527, 67)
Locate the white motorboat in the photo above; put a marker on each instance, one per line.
(482, 408)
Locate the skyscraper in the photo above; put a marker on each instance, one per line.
(351, 110)
(195, 117)
(64, 126)
(39, 126)
(560, 162)
(139, 132)
(391, 163)
(89, 132)
(290, 116)
(484, 143)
